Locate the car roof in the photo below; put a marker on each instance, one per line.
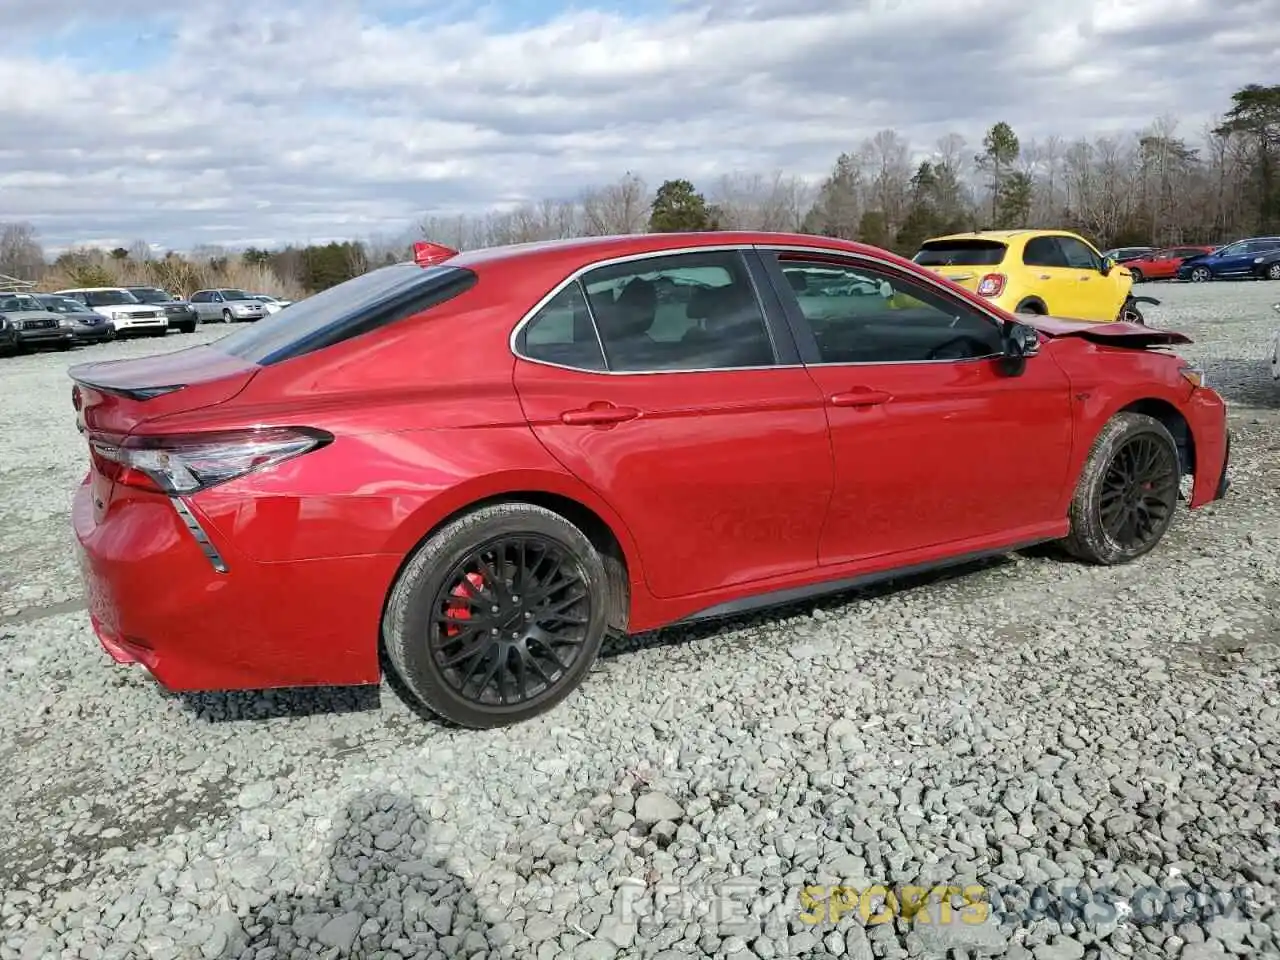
(578, 252)
(1002, 235)
(89, 289)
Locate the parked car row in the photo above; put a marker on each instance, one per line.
(1251, 258)
(83, 315)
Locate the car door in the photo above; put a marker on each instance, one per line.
(1048, 275)
(937, 450)
(664, 386)
(1233, 260)
(1098, 296)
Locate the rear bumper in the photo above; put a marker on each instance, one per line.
(157, 598)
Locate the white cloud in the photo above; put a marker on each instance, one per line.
(293, 119)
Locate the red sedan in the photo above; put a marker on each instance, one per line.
(481, 463)
(1163, 264)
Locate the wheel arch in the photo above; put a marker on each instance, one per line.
(1174, 421)
(605, 530)
(1035, 304)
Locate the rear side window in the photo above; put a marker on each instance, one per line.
(348, 310)
(563, 333)
(1043, 252)
(961, 253)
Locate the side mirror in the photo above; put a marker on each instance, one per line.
(1107, 266)
(1020, 341)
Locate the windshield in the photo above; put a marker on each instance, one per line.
(347, 310)
(64, 305)
(234, 295)
(20, 303)
(109, 298)
(960, 253)
(150, 294)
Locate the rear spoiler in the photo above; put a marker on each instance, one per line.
(427, 254)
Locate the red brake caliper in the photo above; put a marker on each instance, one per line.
(461, 611)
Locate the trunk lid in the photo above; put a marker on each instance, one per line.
(962, 260)
(113, 397)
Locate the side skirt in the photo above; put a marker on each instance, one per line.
(776, 598)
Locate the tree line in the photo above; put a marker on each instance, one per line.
(1159, 186)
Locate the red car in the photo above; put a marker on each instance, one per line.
(1163, 264)
(480, 464)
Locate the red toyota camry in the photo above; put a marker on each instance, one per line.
(481, 463)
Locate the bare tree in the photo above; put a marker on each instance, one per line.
(619, 208)
(21, 255)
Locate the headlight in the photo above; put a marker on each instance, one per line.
(64, 322)
(1258, 259)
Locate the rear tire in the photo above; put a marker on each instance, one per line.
(1126, 495)
(462, 641)
(1136, 274)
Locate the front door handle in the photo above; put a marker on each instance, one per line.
(859, 398)
(597, 414)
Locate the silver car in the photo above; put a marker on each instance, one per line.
(226, 305)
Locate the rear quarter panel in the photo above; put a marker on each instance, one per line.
(426, 422)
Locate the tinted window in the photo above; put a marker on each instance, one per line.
(695, 311)
(150, 294)
(108, 298)
(562, 333)
(1079, 257)
(348, 310)
(1043, 252)
(869, 316)
(201, 297)
(960, 253)
(64, 305)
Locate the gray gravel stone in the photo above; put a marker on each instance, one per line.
(1039, 721)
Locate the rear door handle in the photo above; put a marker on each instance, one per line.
(597, 414)
(859, 398)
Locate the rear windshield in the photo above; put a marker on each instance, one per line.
(150, 294)
(960, 253)
(348, 310)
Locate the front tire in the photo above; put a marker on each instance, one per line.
(498, 616)
(1127, 492)
(1273, 271)
(1201, 275)
(1136, 274)
(226, 316)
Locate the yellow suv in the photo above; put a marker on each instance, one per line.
(1035, 271)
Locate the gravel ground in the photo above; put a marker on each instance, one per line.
(1024, 724)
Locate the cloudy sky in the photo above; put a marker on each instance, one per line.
(236, 123)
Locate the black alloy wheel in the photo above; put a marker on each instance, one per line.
(497, 616)
(1139, 492)
(510, 620)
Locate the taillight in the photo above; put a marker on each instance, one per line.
(187, 463)
(992, 285)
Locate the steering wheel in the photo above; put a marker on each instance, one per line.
(963, 339)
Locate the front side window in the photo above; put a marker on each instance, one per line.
(691, 311)
(860, 314)
(1078, 256)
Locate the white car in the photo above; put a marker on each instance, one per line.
(1275, 348)
(126, 312)
(273, 304)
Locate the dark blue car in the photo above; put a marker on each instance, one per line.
(1255, 257)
